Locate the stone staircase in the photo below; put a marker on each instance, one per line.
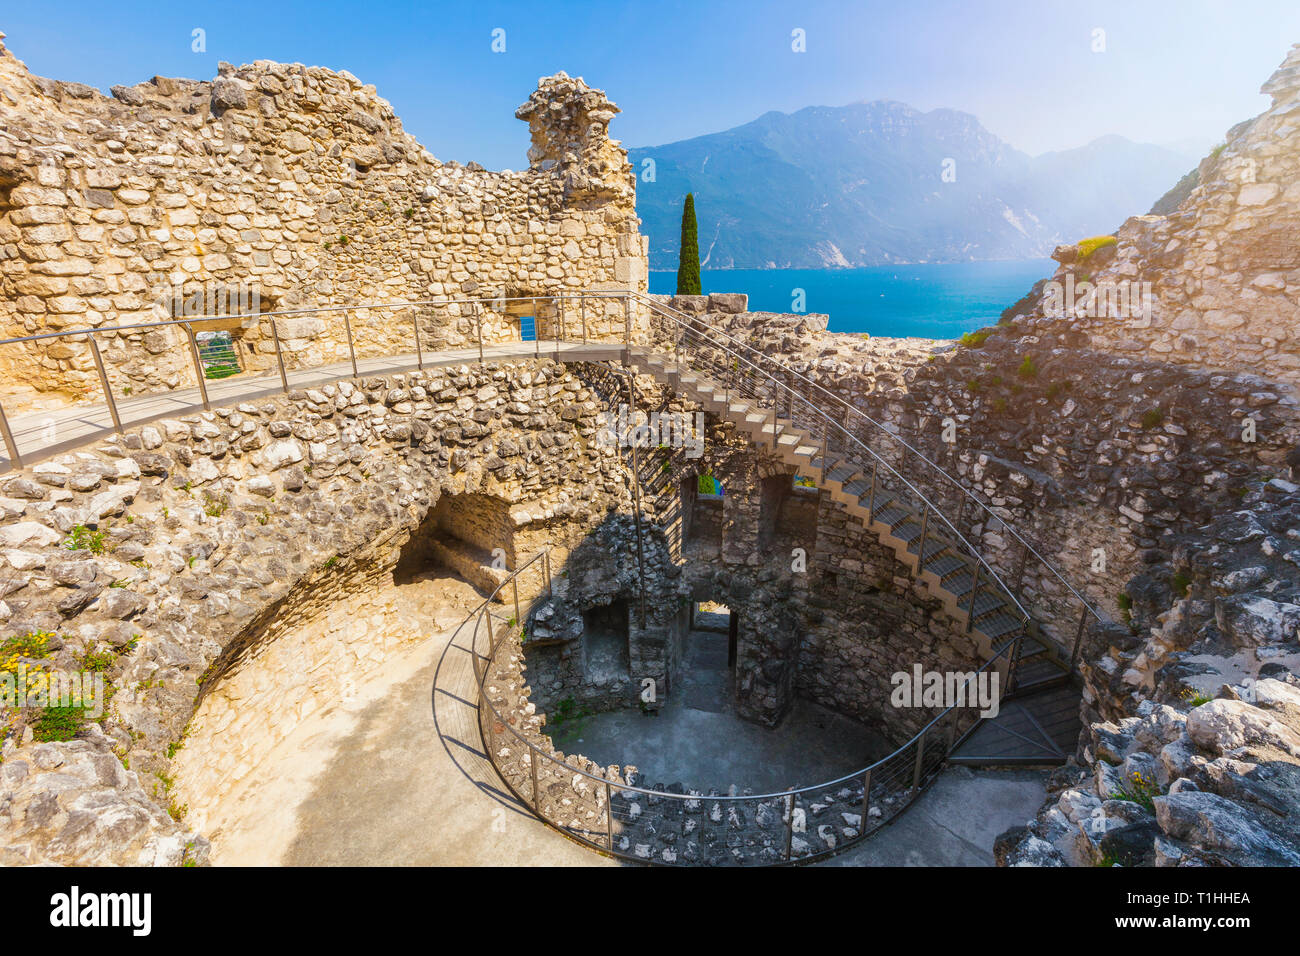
(947, 572)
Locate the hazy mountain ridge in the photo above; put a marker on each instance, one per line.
(862, 185)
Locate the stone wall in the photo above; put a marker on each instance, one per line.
(298, 184)
(204, 540)
(1223, 267)
(1083, 450)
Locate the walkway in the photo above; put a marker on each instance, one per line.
(1037, 729)
(42, 435)
(409, 785)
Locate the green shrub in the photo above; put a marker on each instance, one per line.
(1088, 246)
(1140, 790)
(973, 340)
(82, 538)
(58, 723)
(1181, 583)
(1152, 417)
(1027, 368)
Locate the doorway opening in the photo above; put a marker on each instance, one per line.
(605, 642)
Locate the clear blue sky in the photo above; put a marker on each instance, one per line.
(1173, 70)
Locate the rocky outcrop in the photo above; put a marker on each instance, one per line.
(1222, 268)
(1166, 775)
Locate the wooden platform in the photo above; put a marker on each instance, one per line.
(1040, 728)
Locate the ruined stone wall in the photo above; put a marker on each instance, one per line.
(298, 184)
(1224, 267)
(1080, 450)
(868, 620)
(212, 536)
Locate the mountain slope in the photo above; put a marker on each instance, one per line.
(864, 184)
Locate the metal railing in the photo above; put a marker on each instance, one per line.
(845, 434)
(756, 829)
(563, 318)
(653, 825)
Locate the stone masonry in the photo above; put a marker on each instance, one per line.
(298, 185)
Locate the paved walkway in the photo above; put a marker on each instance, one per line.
(42, 435)
(410, 785)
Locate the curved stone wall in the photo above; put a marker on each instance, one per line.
(202, 538)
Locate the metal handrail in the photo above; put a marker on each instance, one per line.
(831, 423)
(783, 385)
(1009, 650)
(683, 319)
(479, 304)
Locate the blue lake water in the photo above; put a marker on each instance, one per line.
(939, 301)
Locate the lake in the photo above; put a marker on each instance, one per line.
(939, 301)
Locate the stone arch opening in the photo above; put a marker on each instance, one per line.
(606, 641)
(470, 535)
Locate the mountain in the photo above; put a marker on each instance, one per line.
(864, 184)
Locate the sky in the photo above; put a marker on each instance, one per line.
(1035, 72)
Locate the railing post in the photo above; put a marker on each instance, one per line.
(789, 827)
(15, 459)
(1020, 566)
(537, 330)
(352, 352)
(871, 499)
(920, 756)
(514, 585)
(975, 589)
(1078, 638)
(546, 566)
(826, 450)
(627, 321)
(1013, 661)
(920, 548)
(198, 364)
(478, 324)
(582, 308)
(609, 818)
(419, 353)
(532, 761)
(279, 358)
(866, 802)
(103, 380)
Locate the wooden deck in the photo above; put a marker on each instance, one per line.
(1038, 729)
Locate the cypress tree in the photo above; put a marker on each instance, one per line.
(688, 265)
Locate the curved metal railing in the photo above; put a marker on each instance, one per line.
(765, 828)
(645, 824)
